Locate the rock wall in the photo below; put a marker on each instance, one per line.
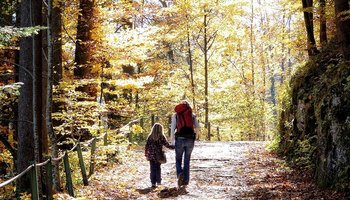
(314, 123)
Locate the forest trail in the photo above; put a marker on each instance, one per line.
(219, 170)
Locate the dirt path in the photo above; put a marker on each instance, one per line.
(229, 170)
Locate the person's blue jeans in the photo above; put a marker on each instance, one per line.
(155, 172)
(183, 149)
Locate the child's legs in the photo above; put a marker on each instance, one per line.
(153, 170)
(158, 172)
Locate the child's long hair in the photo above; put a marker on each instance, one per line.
(156, 132)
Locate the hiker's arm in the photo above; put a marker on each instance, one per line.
(165, 142)
(172, 129)
(168, 145)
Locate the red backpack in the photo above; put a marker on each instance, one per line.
(184, 121)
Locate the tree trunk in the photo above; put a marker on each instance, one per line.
(323, 23)
(44, 142)
(283, 59)
(56, 24)
(309, 24)
(343, 25)
(205, 48)
(37, 84)
(84, 41)
(190, 63)
(51, 26)
(251, 46)
(28, 118)
(289, 70)
(252, 68)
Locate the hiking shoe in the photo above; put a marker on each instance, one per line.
(180, 179)
(154, 186)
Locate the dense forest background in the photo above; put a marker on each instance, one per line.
(72, 70)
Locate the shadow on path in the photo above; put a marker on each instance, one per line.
(219, 170)
(164, 192)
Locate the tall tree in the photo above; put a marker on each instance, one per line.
(343, 25)
(205, 50)
(56, 26)
(190, 60)
(84, 41)
(252, 45)
(208, 35)
(323, 23)
(309, 24)
(30, 98)
(53, 62)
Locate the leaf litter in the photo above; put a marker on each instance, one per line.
(219, 170)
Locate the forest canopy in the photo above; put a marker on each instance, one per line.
(72, 70)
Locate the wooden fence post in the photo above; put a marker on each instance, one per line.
(198, 136)
(82, 165)
(49, 180)
(209, 134)
(218, 133)
(105, 139)
(141, 123)
(69, 183)
(130, 135)
(34, 183)
(92, 157)
(130, 132)
(152, 120)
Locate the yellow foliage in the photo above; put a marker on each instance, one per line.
(136, 129)
(6, 157)
(26, 196)
(85, 198)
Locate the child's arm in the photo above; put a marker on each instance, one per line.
(166, 144)
(146, 148)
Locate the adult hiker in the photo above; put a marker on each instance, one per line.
(184, 126)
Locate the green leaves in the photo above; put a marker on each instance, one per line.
(8, 97)
(10, 34)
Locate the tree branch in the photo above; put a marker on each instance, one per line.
(8, 147)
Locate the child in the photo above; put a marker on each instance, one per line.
(155, 141)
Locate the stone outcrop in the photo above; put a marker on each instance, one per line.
(314, 124)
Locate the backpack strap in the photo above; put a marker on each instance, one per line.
(178, 120)
(183, 118)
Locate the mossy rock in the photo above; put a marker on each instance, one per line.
(319, 108)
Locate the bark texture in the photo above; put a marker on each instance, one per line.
(343, 25)
(29, 58)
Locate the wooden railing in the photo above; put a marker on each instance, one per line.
(47, 164)
(48, 168)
